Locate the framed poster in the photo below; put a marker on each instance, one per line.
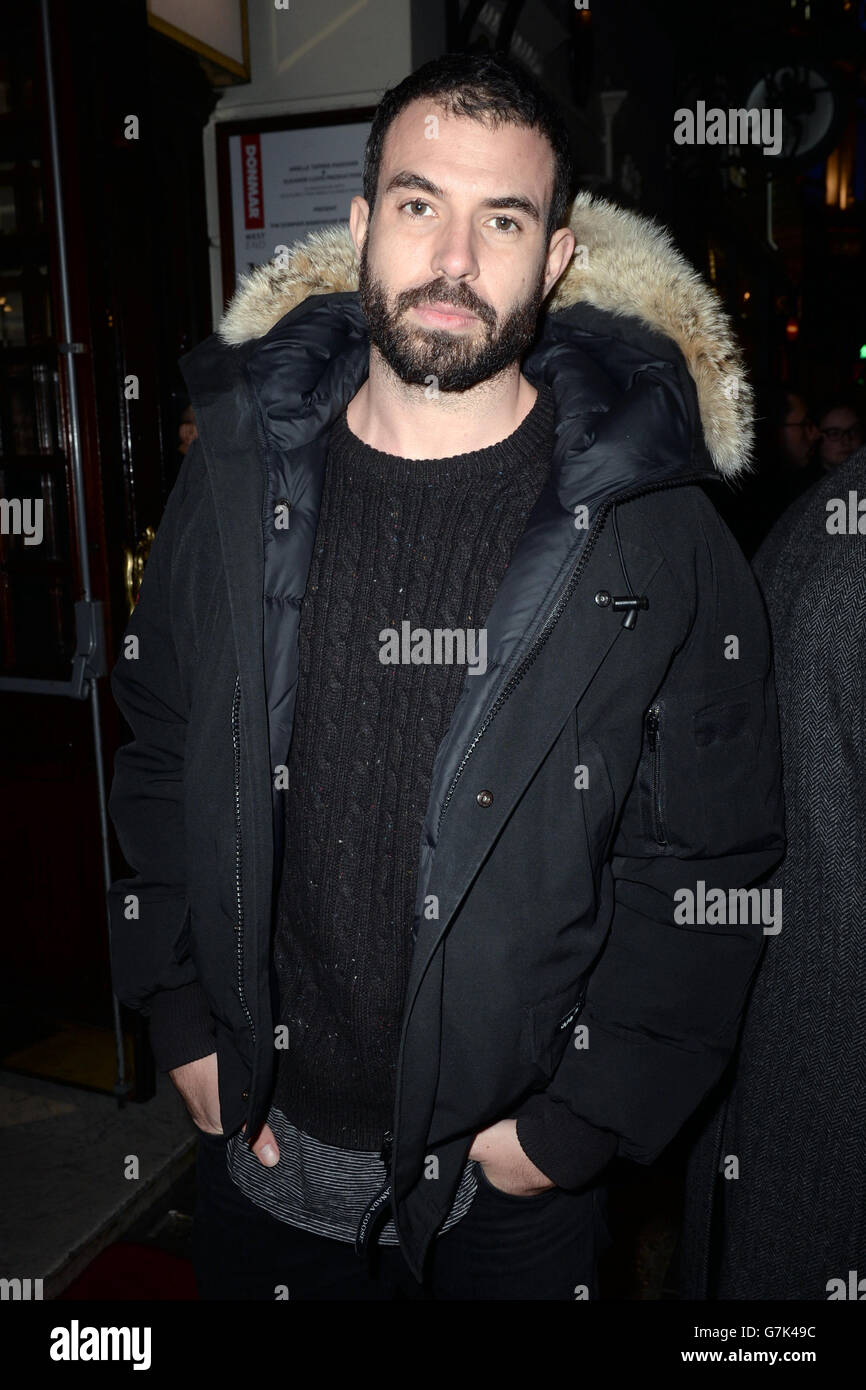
(281, 178)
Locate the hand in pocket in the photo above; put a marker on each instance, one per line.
(199, 1088)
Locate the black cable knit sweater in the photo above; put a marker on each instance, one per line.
(426, 541)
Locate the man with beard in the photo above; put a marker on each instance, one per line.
(370, 920)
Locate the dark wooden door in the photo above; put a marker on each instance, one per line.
(130, 106)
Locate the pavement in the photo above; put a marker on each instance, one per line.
(79, 1172)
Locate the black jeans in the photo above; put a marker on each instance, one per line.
(505, 1247)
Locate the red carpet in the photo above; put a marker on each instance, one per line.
(127, 1271)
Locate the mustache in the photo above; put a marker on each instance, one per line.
(460, 296)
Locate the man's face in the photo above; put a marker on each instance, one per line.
(841, 435)
(797, 434)
(453, 265)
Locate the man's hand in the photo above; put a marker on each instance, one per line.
(266, 1148)
(506, 1165)
(197, 1083)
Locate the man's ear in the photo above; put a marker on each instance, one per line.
(359, 220)
(559, 254)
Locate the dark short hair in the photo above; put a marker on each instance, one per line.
(487, 87)
(777, 403)
(843, 402)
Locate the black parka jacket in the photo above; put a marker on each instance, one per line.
(621, 746)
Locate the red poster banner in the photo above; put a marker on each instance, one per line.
(251, 162)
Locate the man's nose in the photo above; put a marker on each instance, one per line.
(455, 254)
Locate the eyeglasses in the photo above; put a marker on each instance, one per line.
(835, 433)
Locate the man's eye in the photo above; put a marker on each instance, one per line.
(415, 204)
(508, 231)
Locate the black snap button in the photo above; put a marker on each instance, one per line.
(602, 598)
(484, 798)
(245, 1095)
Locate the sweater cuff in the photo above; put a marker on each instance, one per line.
(181, 1026)
(567, 1149)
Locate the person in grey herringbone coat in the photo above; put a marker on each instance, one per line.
(776, 1186)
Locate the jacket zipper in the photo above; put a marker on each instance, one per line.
(363, 1232)
(555, 615)
(236, 744)
(653, 720)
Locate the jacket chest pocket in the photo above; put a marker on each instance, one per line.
(548, 1025)
(694, 770)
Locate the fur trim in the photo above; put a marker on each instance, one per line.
(624, 263)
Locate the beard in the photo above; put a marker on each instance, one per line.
(457, 360)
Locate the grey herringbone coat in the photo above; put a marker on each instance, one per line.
(794, 1114)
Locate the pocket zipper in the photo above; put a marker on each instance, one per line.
(572, 1013)
(236, 745)
(653, 721)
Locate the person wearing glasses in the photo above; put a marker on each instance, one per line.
(840, 435)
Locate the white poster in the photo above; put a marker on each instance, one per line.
(286, 182)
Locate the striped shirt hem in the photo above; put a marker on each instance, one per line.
(323, 1189)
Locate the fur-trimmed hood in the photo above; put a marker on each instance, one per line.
(624, 264)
